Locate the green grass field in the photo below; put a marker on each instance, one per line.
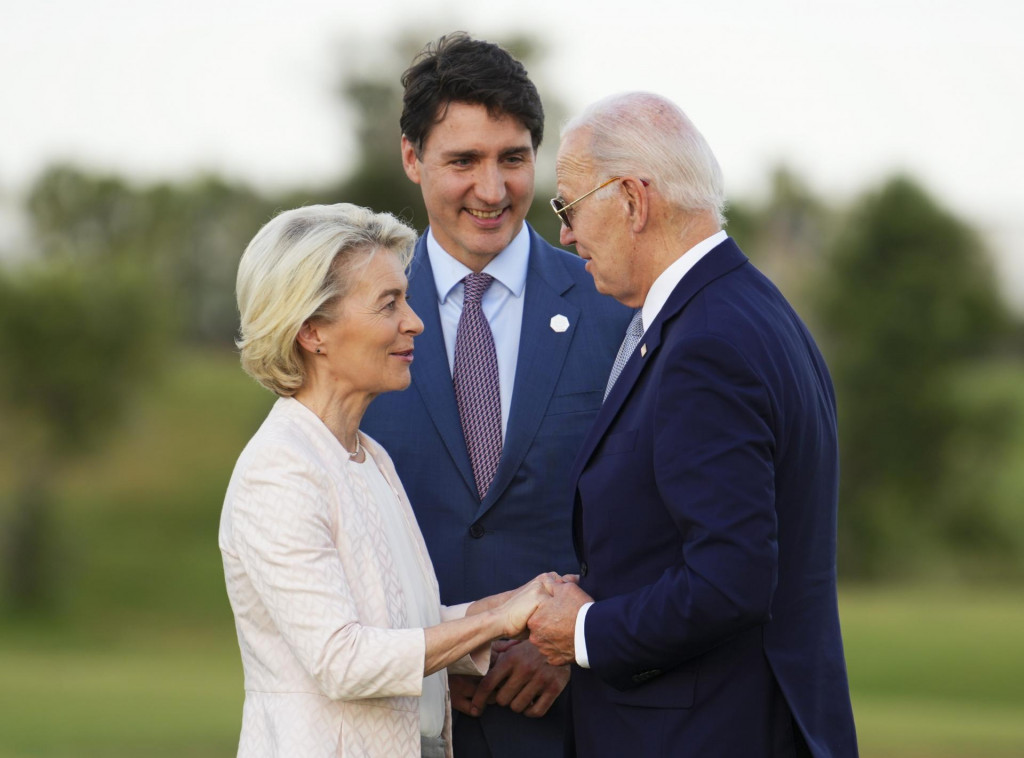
(139, 658)
(933, 676)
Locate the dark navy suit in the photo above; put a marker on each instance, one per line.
(705, 525)
(523, 526)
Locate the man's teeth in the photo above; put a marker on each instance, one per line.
(484, 214)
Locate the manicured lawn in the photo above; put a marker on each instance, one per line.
(934, 675)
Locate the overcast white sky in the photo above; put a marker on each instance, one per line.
(845, 93)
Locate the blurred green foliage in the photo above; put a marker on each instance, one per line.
(187, 237)
(908, 300)
(902, 298)
(76, 339)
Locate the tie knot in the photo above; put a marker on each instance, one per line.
(476, 286)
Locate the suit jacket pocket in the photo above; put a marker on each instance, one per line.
(672, 689)
(617, 443)
(575, 402)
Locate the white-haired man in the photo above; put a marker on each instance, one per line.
(705, 622)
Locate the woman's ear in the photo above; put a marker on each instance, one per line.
(309, 337)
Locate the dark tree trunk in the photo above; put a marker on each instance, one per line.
(28, 540)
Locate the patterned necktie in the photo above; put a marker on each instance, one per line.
(634, 332)
(476, 384)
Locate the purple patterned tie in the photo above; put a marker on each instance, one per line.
(476, 384)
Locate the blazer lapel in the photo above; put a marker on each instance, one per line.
(721, 260)
(431, 375)
(542, 353)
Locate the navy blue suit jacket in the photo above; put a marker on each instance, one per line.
(705, 524)
(523, 526)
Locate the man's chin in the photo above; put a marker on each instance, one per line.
(489, 244)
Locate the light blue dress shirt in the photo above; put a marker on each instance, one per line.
(502, 305)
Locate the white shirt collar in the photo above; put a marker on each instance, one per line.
(508, 267)
(663, 286)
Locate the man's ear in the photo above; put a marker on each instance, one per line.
(639, 201)
(409, 160)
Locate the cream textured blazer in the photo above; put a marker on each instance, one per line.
(319, 608)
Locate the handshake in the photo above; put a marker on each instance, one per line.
(544, 610)
(525, 678)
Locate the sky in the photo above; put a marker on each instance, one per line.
(845, 94)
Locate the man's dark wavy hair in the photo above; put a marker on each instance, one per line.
(458, 69)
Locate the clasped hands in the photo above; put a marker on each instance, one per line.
(552, 621)
(524, 676)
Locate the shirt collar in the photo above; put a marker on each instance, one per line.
(508, 267)
(663, 286)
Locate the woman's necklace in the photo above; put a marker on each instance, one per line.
(359, 449)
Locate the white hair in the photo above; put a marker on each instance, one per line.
(296, 267)
(646, 135)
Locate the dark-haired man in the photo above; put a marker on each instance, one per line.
(484, 438)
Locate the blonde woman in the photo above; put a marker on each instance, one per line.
(343, 638)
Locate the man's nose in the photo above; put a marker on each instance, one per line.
(490, 184)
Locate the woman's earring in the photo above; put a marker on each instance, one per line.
(318, 351)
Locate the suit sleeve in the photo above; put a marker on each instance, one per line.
(283, 538)
(713, 463)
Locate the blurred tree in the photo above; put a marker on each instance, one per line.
(189, 236)
(371, 97)
(74, 342)
(908, 300)
(786, 236)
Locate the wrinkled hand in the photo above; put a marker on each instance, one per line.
(516, 610)
(553, 624)
(519, 679)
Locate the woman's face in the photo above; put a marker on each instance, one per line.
(369, 345)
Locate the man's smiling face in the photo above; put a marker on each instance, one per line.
(476, 173)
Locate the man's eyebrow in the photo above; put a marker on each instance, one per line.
(516, 150)
(461, 154)
(476, 154)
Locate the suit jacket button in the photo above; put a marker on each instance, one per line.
(476, 531)
(583, 568)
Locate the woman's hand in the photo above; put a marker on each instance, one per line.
(497, 616)
(516, 609)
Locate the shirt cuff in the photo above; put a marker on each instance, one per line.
(580, 639)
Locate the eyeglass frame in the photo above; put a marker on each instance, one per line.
(562, 211)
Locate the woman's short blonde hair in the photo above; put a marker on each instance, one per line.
(296, 267)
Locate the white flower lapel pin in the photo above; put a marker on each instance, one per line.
(559, 323)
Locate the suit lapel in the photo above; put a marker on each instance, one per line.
(542, 353)
(432, 377)
(721, 260)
